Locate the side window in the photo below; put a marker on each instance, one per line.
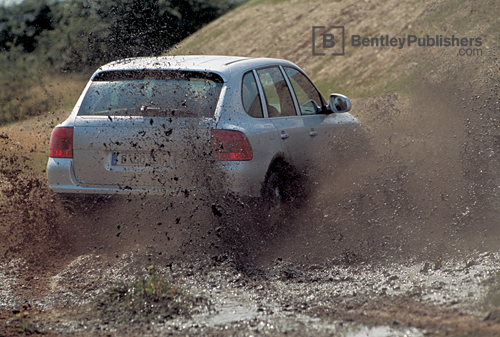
(304, 90)
(278, 97)
(250, 96)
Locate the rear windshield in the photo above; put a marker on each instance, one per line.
(152, 94)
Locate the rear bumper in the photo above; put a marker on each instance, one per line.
(241, 178)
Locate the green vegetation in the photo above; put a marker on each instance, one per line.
(152, 298)
(28, 328)
(43, 41)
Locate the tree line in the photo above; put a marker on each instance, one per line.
(71, 34)
(40, 39)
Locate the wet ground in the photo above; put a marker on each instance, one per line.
(410, 299)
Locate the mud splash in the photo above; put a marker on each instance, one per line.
(423, 186)
(30, 218)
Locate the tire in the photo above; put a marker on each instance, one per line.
(273, 196)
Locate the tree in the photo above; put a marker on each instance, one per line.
(21, 25)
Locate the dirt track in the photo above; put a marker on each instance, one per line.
(282, 299)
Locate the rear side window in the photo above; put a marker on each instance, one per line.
(152, 94)
(250, 96)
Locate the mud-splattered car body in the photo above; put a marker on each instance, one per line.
(166, 125)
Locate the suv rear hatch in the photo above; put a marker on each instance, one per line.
(146, 129)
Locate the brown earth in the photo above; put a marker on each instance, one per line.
(399, 312)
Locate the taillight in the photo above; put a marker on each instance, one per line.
(231, 145)
(61, 143)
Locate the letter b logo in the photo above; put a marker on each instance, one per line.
(328, 41)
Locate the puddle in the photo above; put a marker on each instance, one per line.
(385, 331)
(230, 311)
(239, 308)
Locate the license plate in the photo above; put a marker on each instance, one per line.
(132, 159)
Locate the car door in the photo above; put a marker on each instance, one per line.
(281, 111)
(322, 129)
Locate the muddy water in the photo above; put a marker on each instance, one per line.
(285, 298)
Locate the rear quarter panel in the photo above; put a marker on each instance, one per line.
(247, 177)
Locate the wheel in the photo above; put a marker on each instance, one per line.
(273, 195)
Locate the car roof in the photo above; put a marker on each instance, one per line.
(223, 65)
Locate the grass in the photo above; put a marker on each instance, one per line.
(154, 288)
(29, 93)
(443, 13)
(260, 2)
(30, 138)
(39, 160)
(28, 328)
(153, 298)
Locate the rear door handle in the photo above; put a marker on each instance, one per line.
(284, 136)
(313, 133)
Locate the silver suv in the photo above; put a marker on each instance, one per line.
(181, 124)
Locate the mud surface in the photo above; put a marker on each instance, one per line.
(412, 299)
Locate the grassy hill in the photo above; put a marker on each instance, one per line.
(283, 29)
